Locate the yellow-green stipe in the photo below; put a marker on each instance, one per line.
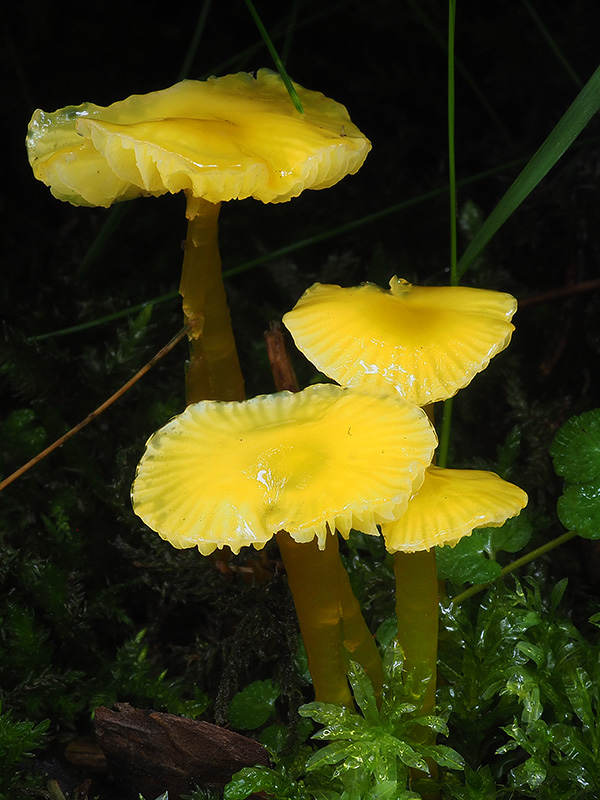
(357, 638)
(314, 579)
(213, 370)
(417, 606)
(417, 613)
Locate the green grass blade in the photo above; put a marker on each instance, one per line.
(444, 444)
(300, 244)
(421, 15)
(576, 117)
(451, 144)
(275, 56)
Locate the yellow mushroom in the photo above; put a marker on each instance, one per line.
(222, 139)
(424, 342)
(237, 136)
(450, 504)
(296, 465)
(309, 463)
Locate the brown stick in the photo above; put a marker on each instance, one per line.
(107, 403)
(284, 376)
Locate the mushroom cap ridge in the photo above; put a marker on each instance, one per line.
(308, 462)
(231, 137)
(450, 504)
(424, 342)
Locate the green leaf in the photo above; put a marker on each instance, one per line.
(532, 773)
(275, 56)
(444, 756)
(389, 790)
(330, 754)
(466, 561)
(253, 706)
(21, 433)
(576, 448)
(17, 740)
(511, 537)
(407, 754)
(509, 451)
(387, 631)
(525, 687)
(435, 723)
(533, 652)
(557, 594)
(595, 619)
(254, 780)
(568, 128)
(363, 693)
(330, 714)
(274, 738)
(578, 687)
(579, 508)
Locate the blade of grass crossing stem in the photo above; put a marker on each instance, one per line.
(568, 128)
(275, 56)
(451, 145)
(291, 248)
(442, 454)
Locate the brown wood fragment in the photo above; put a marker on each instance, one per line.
(86, 754)
(154, 752)
(279, 359)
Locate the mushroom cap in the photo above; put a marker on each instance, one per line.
(219, 139)
(426, 342)
(450, 504)
(309, 462)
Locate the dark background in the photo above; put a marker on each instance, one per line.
(386, 61)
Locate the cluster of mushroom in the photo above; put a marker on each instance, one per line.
(335, 457)
(237, 136)
(355, 454)
(422, 344)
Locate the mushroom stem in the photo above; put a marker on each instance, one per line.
(314, 579)
(357, 637)
(417, 613)
(417, 605)
(213, 370)
(354, 632)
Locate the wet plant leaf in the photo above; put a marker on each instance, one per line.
(363, 693)
(253, 706)
(254, 780)
(576, 448)
(579, 508)
(467, 562)
(578, 687)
